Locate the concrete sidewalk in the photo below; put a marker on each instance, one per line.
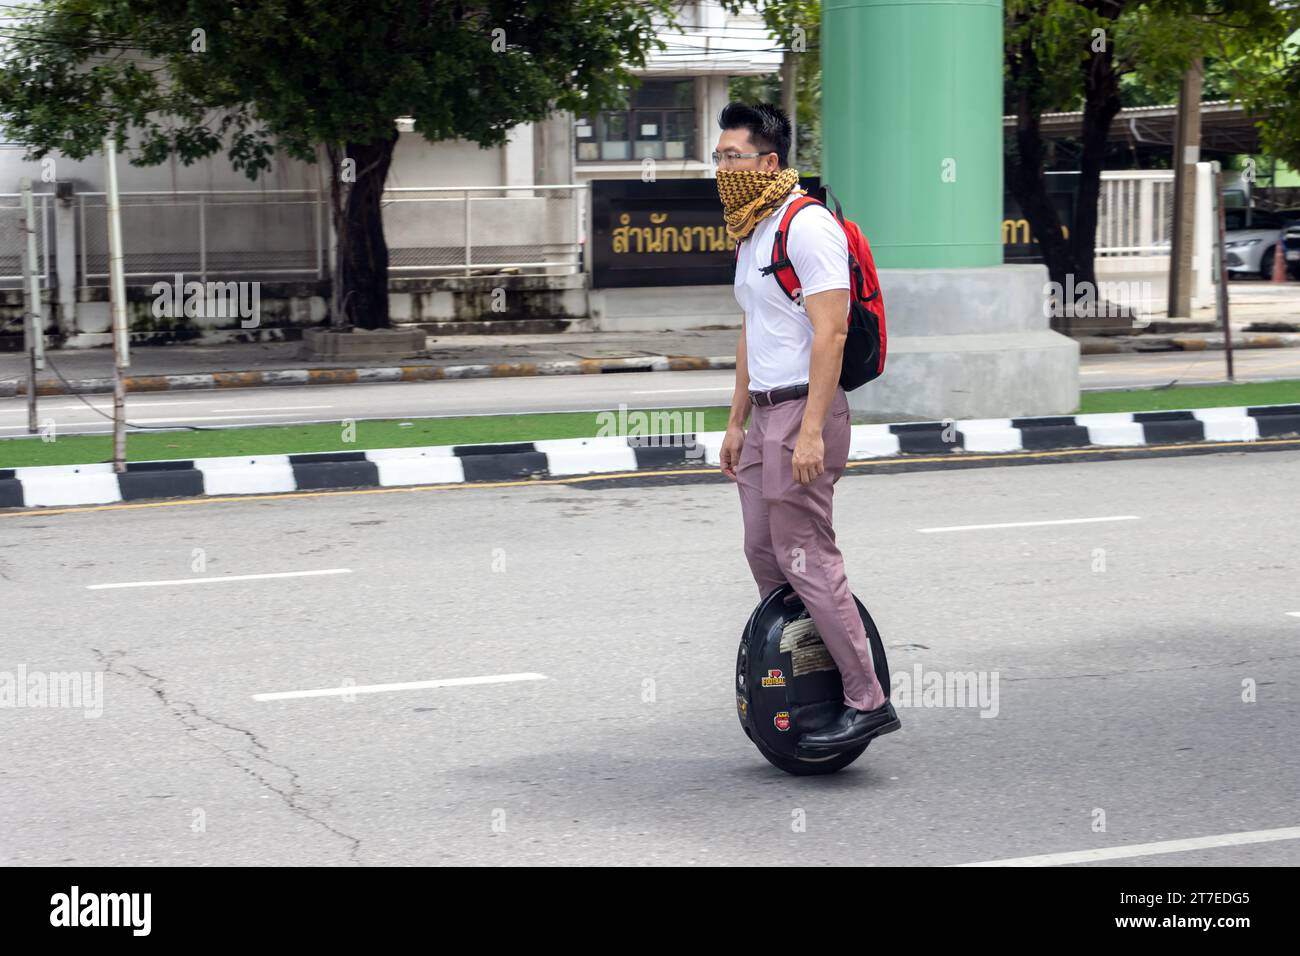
(180, 367)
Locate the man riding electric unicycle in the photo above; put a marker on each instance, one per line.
(812, 683)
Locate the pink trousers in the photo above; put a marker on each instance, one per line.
(788, 534)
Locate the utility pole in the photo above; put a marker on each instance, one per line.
(34, 323)
(1221, 266)
(1187, 151)
(117, 299)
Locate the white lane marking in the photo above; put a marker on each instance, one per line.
(220, 579)
(200, 418)
(265, 408)
(23, 428)
(1293, 613)
(410, 685)
(666, 391)
(133, 420)
(1028, 524)
(108, 407)
(1148, 849)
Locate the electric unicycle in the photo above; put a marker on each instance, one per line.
(787, 684)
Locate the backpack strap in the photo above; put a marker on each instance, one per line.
(839, 211)
(856, 275)
(781, 267)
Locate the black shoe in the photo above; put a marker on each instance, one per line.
(853, 727)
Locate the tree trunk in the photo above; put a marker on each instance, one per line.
(360, 294)
(1101, 105)
(1027, 179)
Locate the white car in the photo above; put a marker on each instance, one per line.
(1250, 252)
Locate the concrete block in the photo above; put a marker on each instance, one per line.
(326, 344)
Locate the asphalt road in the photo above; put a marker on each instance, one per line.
(331, 403)
(608, 617)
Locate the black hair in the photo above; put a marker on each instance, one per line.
(769, 127)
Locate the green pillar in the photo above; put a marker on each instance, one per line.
(912, 98)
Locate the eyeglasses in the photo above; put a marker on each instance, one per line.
(726, 159)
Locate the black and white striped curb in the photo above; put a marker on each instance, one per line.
(62, 485)
(59, 485)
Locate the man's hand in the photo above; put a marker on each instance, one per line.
(827, 312)
(809, 459)
(732, 445)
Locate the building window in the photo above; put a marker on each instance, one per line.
(659, 123)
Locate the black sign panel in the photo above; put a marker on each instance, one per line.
(668, 232)
(671, 232)
(1019, 244)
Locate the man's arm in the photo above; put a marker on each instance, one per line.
(828, 312)
(734, 441)
(740, 403)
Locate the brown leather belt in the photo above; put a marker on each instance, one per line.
(775, 396)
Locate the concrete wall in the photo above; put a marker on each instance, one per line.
(88, 175)
(970, 343)
(664, 308)
(963, 343)
(416, 162)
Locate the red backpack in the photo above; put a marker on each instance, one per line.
(864, 350)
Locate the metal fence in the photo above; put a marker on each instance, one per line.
(430, 231)
(246, 234)
(282, 233)
(1135, 214)
(13, 238)
(451, 230)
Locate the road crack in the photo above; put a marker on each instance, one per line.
(255, 760)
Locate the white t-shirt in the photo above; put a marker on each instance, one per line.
(778, 332)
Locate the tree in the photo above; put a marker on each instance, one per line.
(1276, 73)
(795, 26)
(189, 78)
(1061, 55)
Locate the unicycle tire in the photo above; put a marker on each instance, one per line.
(776, 705)
(814, 767)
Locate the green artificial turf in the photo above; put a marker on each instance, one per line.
(1191, 396)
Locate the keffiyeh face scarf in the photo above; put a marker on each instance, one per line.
(751, 195)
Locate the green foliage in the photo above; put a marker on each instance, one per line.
(185, 77)
(1243, 44)
(808, 102)
(787, 20)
